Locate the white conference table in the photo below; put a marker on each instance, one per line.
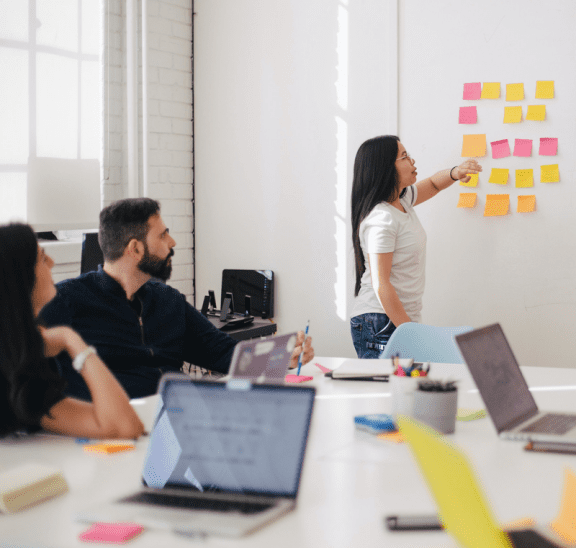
(350, 481)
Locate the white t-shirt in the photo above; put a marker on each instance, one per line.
(387, 229)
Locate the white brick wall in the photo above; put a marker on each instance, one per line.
(169, 120)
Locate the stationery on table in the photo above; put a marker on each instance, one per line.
(506, 395)
(108, 448)
(223, 458)
(302, 353)
(454, 486)
(115, 533)
(367, 370)
(375, 423)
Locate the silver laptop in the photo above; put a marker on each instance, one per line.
(264, 360)
(505, 392)
(223, 458)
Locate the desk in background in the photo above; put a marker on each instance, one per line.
(258, 328)
(351, 480)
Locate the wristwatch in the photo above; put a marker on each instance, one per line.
(79, 361)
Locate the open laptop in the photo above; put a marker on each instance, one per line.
(223, 458)
(455, 487)
(264, 360)
(505, 392)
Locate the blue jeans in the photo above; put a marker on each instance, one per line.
(370, 333)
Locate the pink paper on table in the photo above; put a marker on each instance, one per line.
(472, 91)
(500, 149)
(548, 146)
(322, 368)
(297, 378)
(116, 533)
(523, 147)
(468, 115)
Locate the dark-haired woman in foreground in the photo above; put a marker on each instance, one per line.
(389, 241)
(31, 390)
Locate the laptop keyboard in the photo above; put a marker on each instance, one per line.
(194, 503)
(552, 424)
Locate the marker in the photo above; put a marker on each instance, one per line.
(302, 353)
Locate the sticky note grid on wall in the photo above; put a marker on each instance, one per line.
(524, 105)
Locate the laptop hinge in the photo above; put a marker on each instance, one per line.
(514, 423)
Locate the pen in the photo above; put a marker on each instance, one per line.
(302, 353)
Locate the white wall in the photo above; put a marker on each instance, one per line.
(518, 269)
(285, 92)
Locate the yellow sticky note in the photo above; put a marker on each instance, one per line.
(473, 180)
(512, 115)
(565, 524)
(514, 92)
(496, 204)
(467, 199)
(524, 178)
(526, 204)
(490, 90)
(549, 174)
(394, 437)
(498, 176)
(107, 448)
(545, 89)
(463, 508)
(536, 112)
(474, 145)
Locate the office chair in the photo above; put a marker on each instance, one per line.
(425, 343)
(91, 253)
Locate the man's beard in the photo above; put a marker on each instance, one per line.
(155, 266)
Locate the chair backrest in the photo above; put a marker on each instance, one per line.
(425, 343)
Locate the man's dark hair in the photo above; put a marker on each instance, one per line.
(123, 221)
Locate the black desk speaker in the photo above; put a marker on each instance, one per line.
(91, 253)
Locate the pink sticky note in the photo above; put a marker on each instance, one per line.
(116, 533)
(548, 146)
(322, 368)
(523, 147)
(468, 115)
(297, 378)
(500, 149)
(472, 91)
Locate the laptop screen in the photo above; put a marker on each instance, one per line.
(497, 375)
(211, 437)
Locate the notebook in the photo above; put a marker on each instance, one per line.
(454, 487)
(263, 359)
(223, 458)
(505, 392)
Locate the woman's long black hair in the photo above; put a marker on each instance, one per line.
(31, 382)
(375, 181)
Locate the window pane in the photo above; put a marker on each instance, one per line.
(90, 121)
(14, 20)
(57, 106)
(91, 26)
(12, 197)
(14, 106)
(58, 22)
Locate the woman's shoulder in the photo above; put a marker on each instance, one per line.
(381, 214)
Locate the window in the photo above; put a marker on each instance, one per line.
(51, 106)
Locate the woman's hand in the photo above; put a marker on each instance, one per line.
(61, 339)
(465, 169)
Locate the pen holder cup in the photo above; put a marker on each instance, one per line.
(402, 390)
(436, 409)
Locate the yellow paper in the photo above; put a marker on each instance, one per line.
(512, 115)
(565, 524)
(473, 180)
(467, 199)
(463, 509)
(498, 176)
(514, 92)
(536, 112)
(549, 174)
(526, 204)
(490, 90)
(474, 145)
(524, 178)
(496, 204)
(545, 89)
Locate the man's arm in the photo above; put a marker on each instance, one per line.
(205, 345)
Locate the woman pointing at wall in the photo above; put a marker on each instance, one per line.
(389, 241)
